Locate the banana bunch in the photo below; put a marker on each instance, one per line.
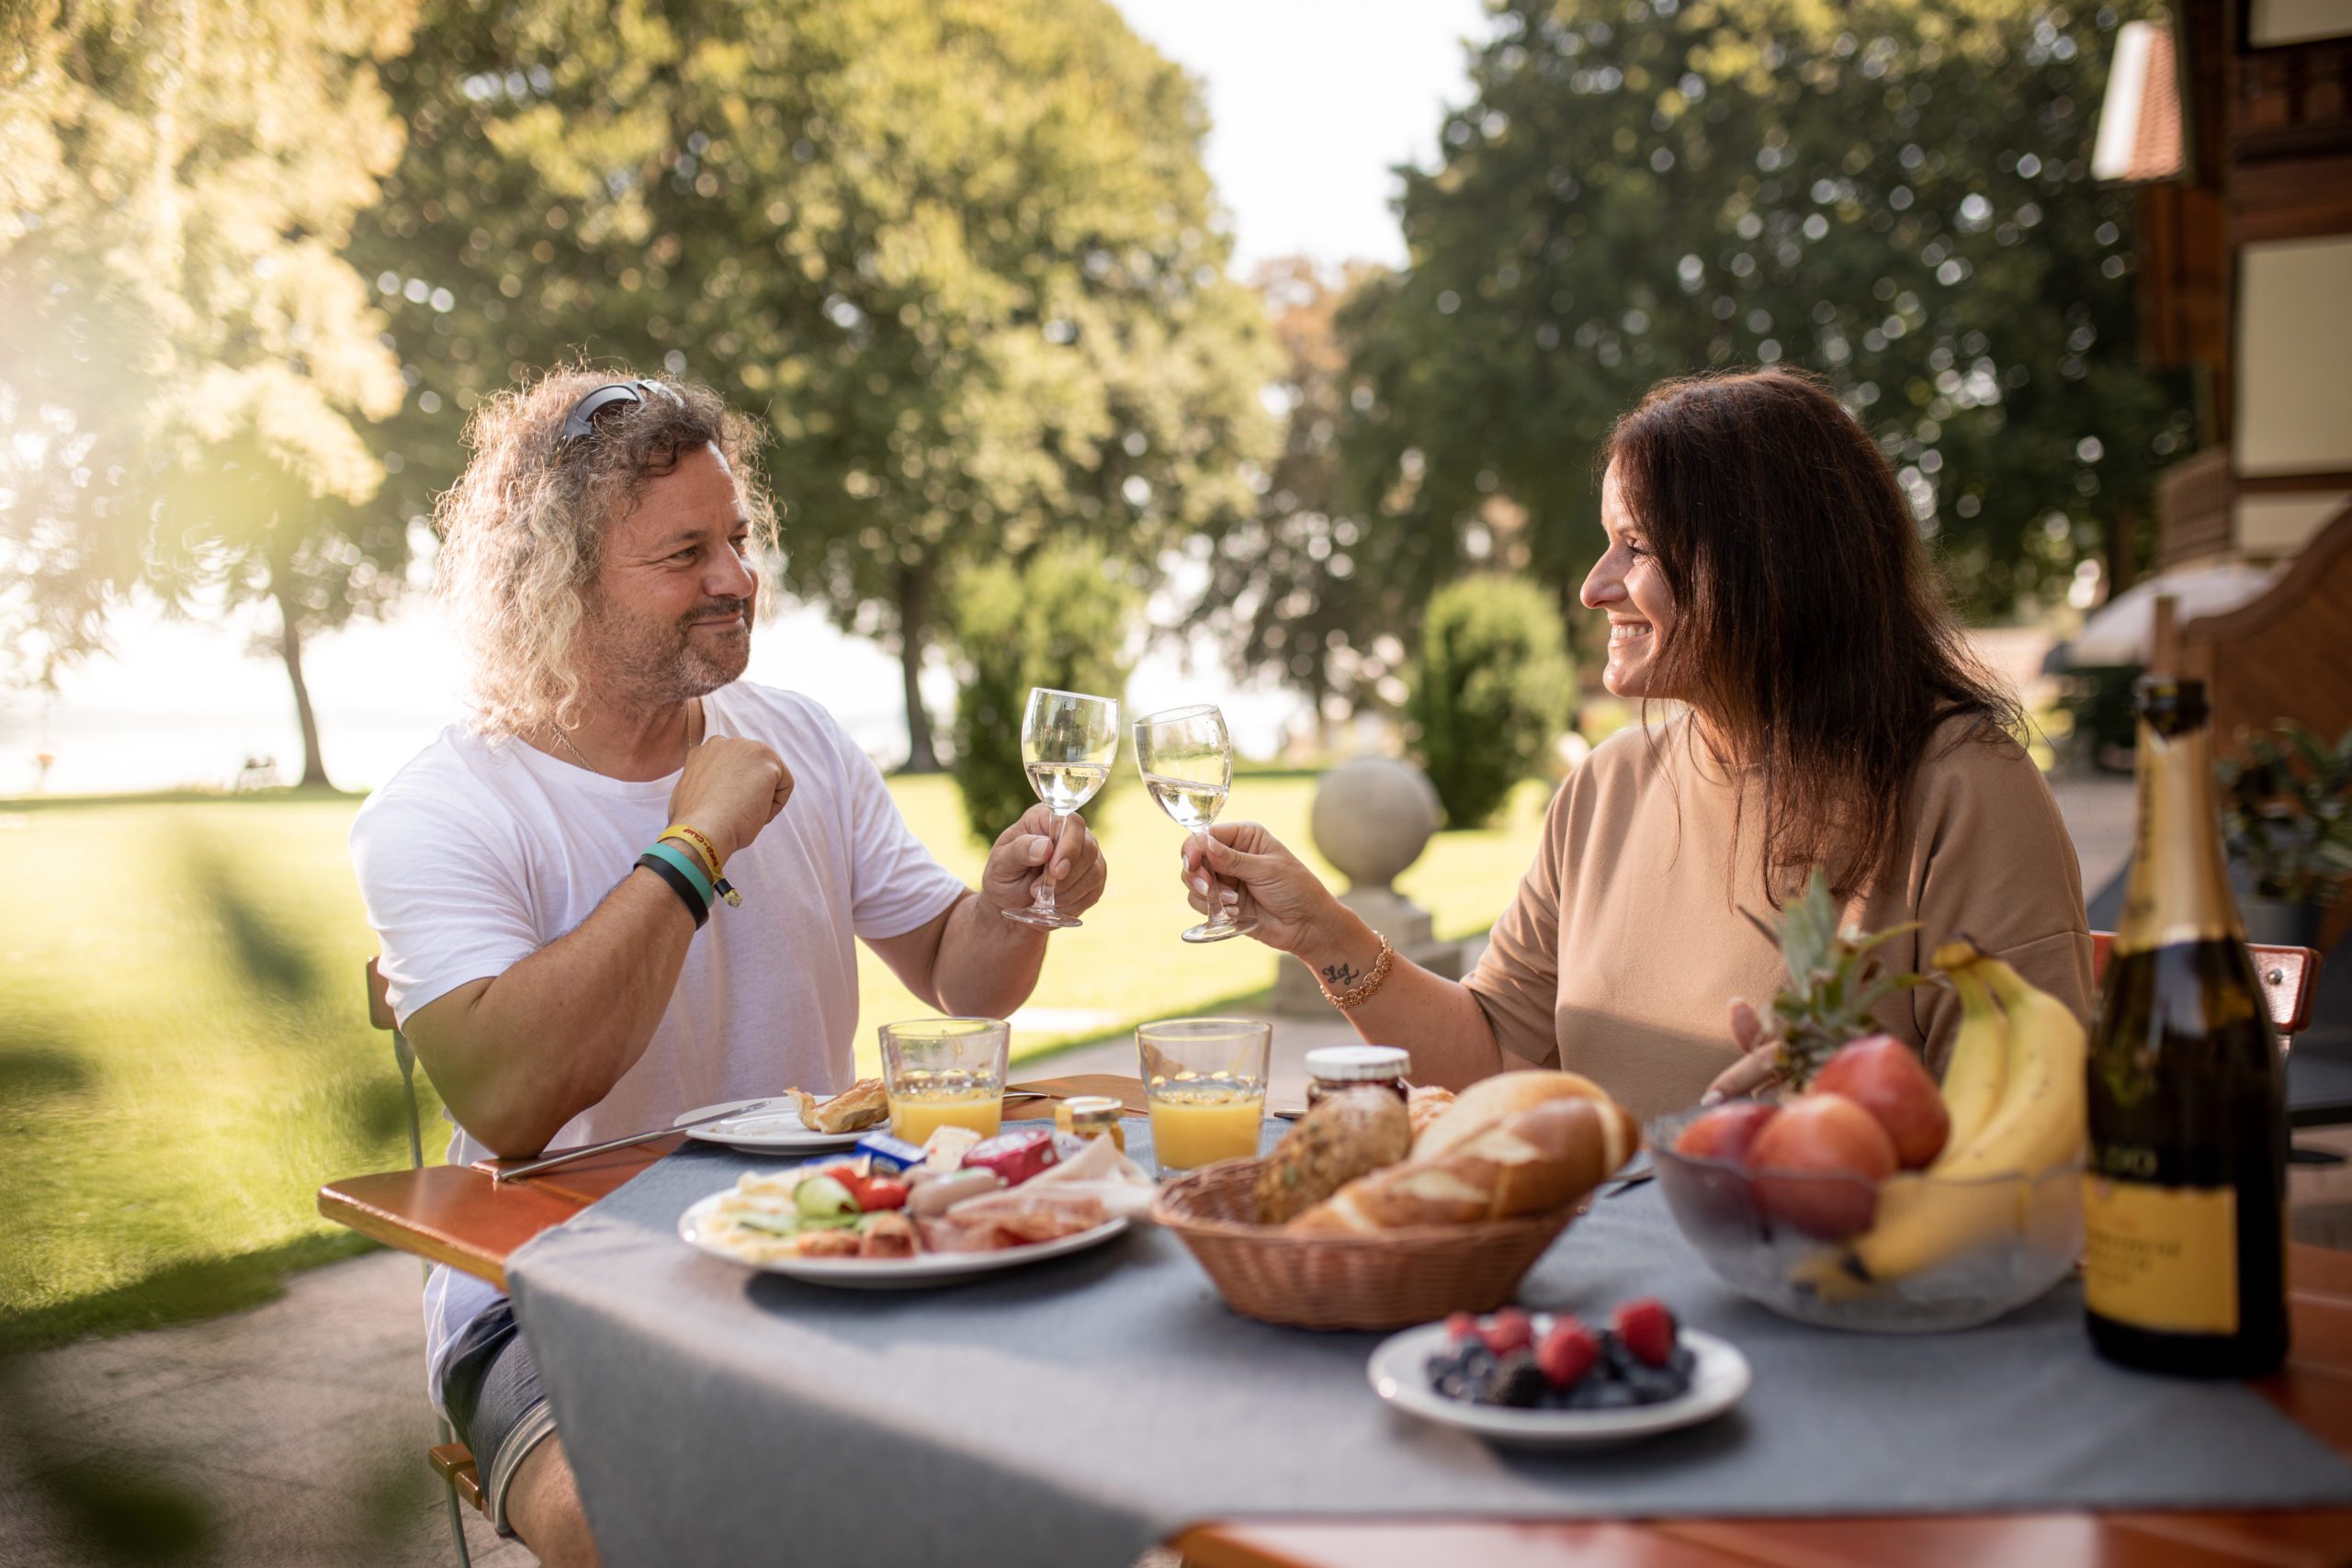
(2014, 1089)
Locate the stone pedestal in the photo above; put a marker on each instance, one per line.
(1372, 819)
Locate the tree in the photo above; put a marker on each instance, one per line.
(191, 353)
(1064, 621)
(961, 254)
(1896, 194)
(1492, 689)
(1304, 586)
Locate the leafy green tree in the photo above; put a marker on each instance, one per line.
(1307, 586)
(1065, 620)
(1491, 690)
(191, 357)
(961, 253)
(1895, 193)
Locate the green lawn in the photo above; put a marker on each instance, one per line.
(185, 1052)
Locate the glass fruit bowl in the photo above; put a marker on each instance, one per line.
(1914, 1254)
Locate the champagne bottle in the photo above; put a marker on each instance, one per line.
(2184, 1203)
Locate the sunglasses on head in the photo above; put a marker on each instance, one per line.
(581, 423)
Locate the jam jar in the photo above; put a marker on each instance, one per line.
(1091, 1116)
(1335, 1067)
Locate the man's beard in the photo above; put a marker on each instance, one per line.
(655, 663)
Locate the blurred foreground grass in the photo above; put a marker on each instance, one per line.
(184, 1051)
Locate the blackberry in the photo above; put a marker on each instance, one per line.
(1516, 1382)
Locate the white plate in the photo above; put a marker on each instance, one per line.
(1399, 1372)
(895, 1273)
(777, 1130)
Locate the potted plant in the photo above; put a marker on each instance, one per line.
(2287, 815)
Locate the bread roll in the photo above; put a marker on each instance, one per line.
(1488, 1100)
(1347, 1134)
(1538, 1161)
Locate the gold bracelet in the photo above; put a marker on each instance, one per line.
(1361, 992)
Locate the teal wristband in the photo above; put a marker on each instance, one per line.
(670, 854)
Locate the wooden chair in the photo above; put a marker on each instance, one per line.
(2289, 980)
(450, 1460)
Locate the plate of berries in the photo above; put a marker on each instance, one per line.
(1549, 1379)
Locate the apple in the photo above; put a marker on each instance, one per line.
(1885, 1077)
(1816, 1166)
(1726, 1132)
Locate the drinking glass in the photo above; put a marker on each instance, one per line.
(1205, 1085)
(1187, 762)
(1068, 741)
(945, 1071)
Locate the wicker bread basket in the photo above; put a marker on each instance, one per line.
(1390, 1280)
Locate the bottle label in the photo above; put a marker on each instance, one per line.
(2163, 1258)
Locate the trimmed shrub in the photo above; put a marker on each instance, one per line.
(1491, 687)
(1060, 621)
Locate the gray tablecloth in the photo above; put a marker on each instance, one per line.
(1075, 1412)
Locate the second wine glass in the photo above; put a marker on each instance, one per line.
(1067, 741)
(1187, 762)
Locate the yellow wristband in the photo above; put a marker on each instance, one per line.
(704, 849)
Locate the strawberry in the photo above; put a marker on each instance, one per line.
(1566, 1352)
(1461, 1327)
(1508, 1330)
(1647, 1329)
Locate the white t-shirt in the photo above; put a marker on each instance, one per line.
(478, 854)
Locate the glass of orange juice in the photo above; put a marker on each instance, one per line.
(1204, 1082)
(939, 1072)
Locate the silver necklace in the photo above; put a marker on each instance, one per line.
(568, 746)
(591, 767)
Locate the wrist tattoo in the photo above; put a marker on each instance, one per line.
(1339, 974)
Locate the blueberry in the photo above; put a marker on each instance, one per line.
(1681, 1361)
(1452, 1386)
(1613, 1396)
(1477, 1361)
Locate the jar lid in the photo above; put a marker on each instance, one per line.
(1358, 1064)
(1085, 1107)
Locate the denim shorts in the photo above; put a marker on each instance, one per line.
(491, 1393)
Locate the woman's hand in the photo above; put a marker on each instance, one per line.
(1241, 865)
(1759, 1061)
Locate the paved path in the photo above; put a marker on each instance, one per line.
(300, 1426)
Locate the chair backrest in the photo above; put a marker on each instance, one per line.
(2290, 978)
(380, 1013)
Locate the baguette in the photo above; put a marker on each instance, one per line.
(1538, 1161)
(1490, 1100)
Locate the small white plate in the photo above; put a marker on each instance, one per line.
(895, 1273)
(777, 1130)
(1399, 1373)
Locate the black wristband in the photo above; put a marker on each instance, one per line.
(678, 885)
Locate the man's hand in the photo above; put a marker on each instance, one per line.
(732, 788)
(1078, 870)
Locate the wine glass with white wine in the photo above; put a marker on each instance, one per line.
(1068, 741)
(1187, 762)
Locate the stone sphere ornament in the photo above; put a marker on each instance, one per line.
(1372, 819)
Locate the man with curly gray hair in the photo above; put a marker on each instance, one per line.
(546, 882)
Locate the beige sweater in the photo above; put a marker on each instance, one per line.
(1621, 954)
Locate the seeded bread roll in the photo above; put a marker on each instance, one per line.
(1346, 1135)
(1539, 1161)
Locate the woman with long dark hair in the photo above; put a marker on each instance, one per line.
(1764, 577)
